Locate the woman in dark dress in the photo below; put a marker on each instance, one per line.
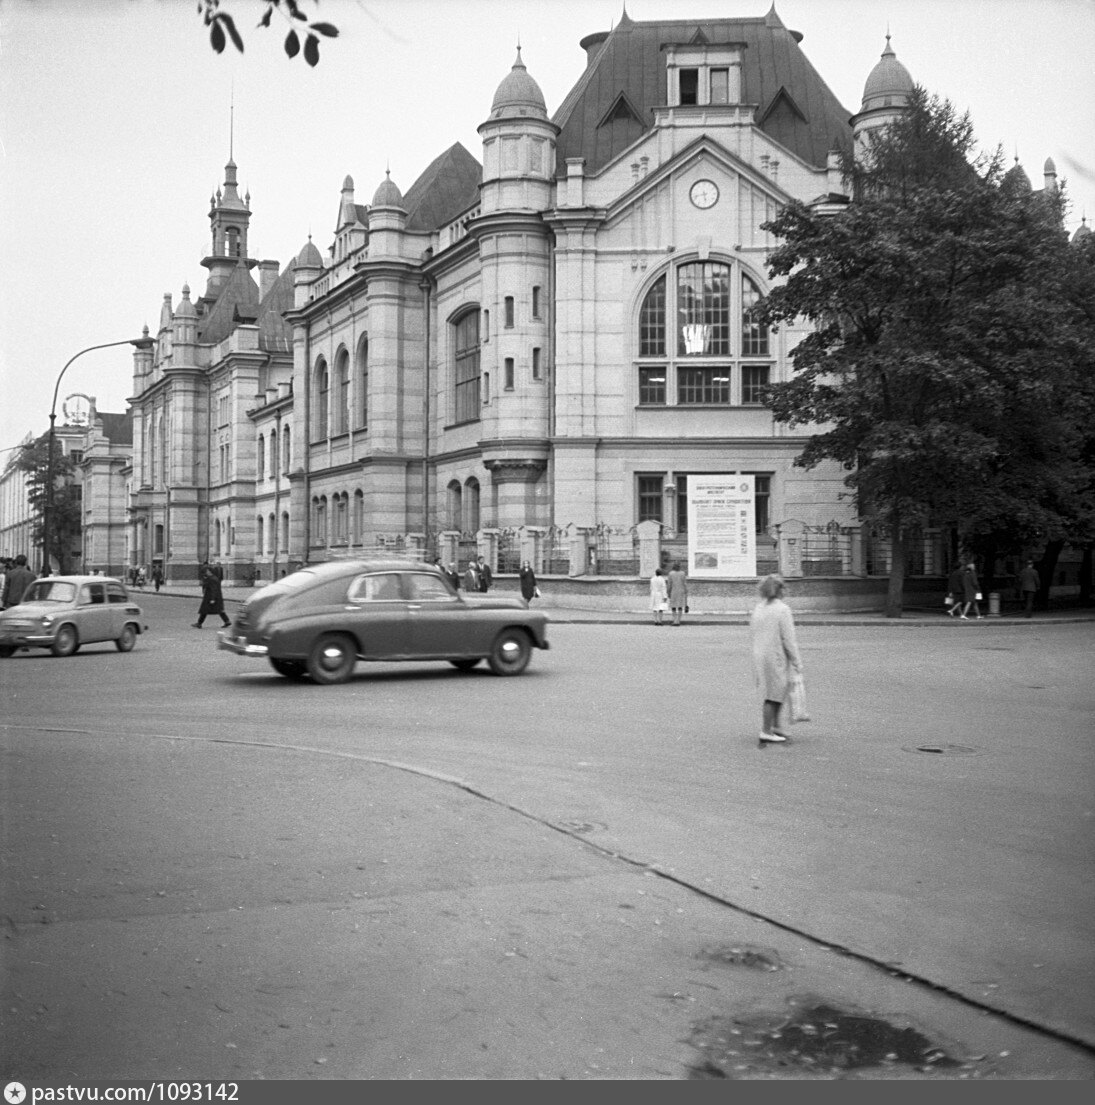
(212, 597)
(528, 582)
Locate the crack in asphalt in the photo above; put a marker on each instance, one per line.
(651, 868)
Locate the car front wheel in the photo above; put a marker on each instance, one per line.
(128, 638)
(291, 669)
(332, 659)
(510, 653)
(66, 642)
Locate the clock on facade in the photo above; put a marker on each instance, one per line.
(704, 194)
(77, 410)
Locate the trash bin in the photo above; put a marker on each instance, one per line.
(994, 604)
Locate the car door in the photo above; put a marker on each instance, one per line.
(377, 613)
(438, 617)
(121, 609)
(93, 613)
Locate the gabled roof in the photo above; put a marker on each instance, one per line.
(275, 334)
(117, 428)
(449, 185)
(807, 118)
(239, 290)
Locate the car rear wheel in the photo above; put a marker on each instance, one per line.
(291, 669)
(510, 652)
(128, 638)
(332, 659)
(65, 643)
(465, 665)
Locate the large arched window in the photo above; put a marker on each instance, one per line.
(471, 505)
(466, 367)
(363, 383)
(699, 343)
(321, 399)
(340, 416)
(454, 505)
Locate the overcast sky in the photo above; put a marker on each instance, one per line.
(114, 132)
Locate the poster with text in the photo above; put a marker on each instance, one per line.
(722, 538)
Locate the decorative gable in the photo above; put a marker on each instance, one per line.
(621, 110)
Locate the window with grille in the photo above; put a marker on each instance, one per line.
(754, 379)
(754, 336)
(652, 387)
(466, 346)
(703, 385)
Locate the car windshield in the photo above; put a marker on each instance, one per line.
(50, 590)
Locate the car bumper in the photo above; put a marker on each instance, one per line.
(24, 638)
(228, 641)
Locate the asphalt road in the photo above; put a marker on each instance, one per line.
(590, 871)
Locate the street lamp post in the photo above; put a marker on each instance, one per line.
(141, 343)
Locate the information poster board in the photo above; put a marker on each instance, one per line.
(722, 537)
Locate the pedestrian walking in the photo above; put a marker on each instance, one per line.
(157, 576)
(471, 577)
(453, 575)
(486, 578)
(659, 596)
(776, 659)
(971, 592)
(529, 589)
(1030, 583)
(677, 583)
(212, 597)
(16, 582)
(955, 591)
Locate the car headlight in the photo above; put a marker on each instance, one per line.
(47, 621)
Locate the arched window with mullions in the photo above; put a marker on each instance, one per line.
(466, 375)
(321, 400)
(699, 343)
(340, 413)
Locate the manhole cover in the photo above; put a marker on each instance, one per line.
(941, 749)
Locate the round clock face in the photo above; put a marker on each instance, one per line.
(76, 409)
(704, 194)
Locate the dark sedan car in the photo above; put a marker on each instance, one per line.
(321, 620)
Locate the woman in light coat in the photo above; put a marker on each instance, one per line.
(659, 596)
(677, 582)
(775, 654)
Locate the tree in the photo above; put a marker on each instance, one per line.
(65, 506)
(222, 28)
(945, 352)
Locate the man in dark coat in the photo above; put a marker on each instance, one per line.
(212, 597)
(17, 581)
(486, 578)
(1030, 583)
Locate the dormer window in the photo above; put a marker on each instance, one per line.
(702, 73)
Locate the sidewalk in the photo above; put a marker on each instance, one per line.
(631, 615)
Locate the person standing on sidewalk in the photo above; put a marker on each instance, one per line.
(775, 655)
(659, 596)
(1030, 583)
(157, 576)
(971, 591)
(212, 596)
(677, 583)
(486, 577)
(16, 582)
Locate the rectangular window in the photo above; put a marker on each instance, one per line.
(486, 388)
(754, 379)
(652, 387)
(509, 374)
(720, 86)
(536, 368)
(486, 326)
(762, 495)
(705, 386)
(536, 301)
(682, 504)
(689, 86)
(509, 311)
(650, 498)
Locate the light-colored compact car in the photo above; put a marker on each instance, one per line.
(321, 620)
(62, 613)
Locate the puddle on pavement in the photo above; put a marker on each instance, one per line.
(815, 1039)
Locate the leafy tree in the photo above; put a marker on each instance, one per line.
(222, 28)
(65, 506)
(946, 346)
